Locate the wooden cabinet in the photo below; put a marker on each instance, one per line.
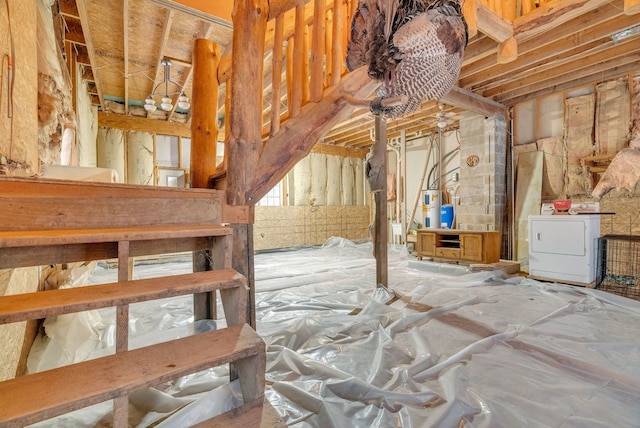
(459, 245)
(426, 244)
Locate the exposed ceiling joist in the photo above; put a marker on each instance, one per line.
(84, 19)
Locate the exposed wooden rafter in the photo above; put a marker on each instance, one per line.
(91, 52)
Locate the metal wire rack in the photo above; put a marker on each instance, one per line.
(619, 265)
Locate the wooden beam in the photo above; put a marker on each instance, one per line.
(590, 62)
(140, 124)
(470, 12)
(469, 101)
(214, 12)
(84, 20)
(298, 136)
(166, 31)
(329, 149)
(204, 127)
(574, 36)
(631, 7)
(492, 24)
(245, 142)
(551, 16)
(601, 73)
(508, 51)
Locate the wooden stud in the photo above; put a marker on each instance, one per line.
(204, 127)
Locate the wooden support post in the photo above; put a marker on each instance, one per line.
(377, 176)
(245, 121)
(204, 131)
(243, 263)
(121, 404)
(204, 127)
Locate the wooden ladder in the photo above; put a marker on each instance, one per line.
(49, 222)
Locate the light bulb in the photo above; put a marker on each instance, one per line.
(166, 106)
(184, 105)
(166, 100)
(183, 98)
(150, 107)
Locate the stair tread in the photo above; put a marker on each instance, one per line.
(42, 304)
(27, 238)
(90, 382)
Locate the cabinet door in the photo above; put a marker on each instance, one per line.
(426, 244)
(471, 247)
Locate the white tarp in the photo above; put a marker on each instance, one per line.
(459, 349)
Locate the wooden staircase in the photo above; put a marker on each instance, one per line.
(49, 222)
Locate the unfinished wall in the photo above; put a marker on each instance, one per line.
(482, 172)
(111, 152)
(139, 158)
(282, 227)
(598, 120)
(87, 128)
(19, 130)
(325, 200)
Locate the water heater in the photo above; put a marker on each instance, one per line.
(431, 209)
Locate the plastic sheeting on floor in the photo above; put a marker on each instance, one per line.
(458, 348)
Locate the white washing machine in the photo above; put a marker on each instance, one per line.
(564, 247)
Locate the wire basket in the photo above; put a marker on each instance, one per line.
(619, 265)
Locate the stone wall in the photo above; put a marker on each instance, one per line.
(482, 173)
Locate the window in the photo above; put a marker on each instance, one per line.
(273, 198)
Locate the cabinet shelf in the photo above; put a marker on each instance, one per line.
(457, 245)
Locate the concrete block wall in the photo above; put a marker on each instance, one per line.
(482, 186)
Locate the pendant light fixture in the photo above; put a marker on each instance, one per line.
(166, 104)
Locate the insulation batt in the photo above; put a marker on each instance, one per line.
(622, 173)
(415, 47)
